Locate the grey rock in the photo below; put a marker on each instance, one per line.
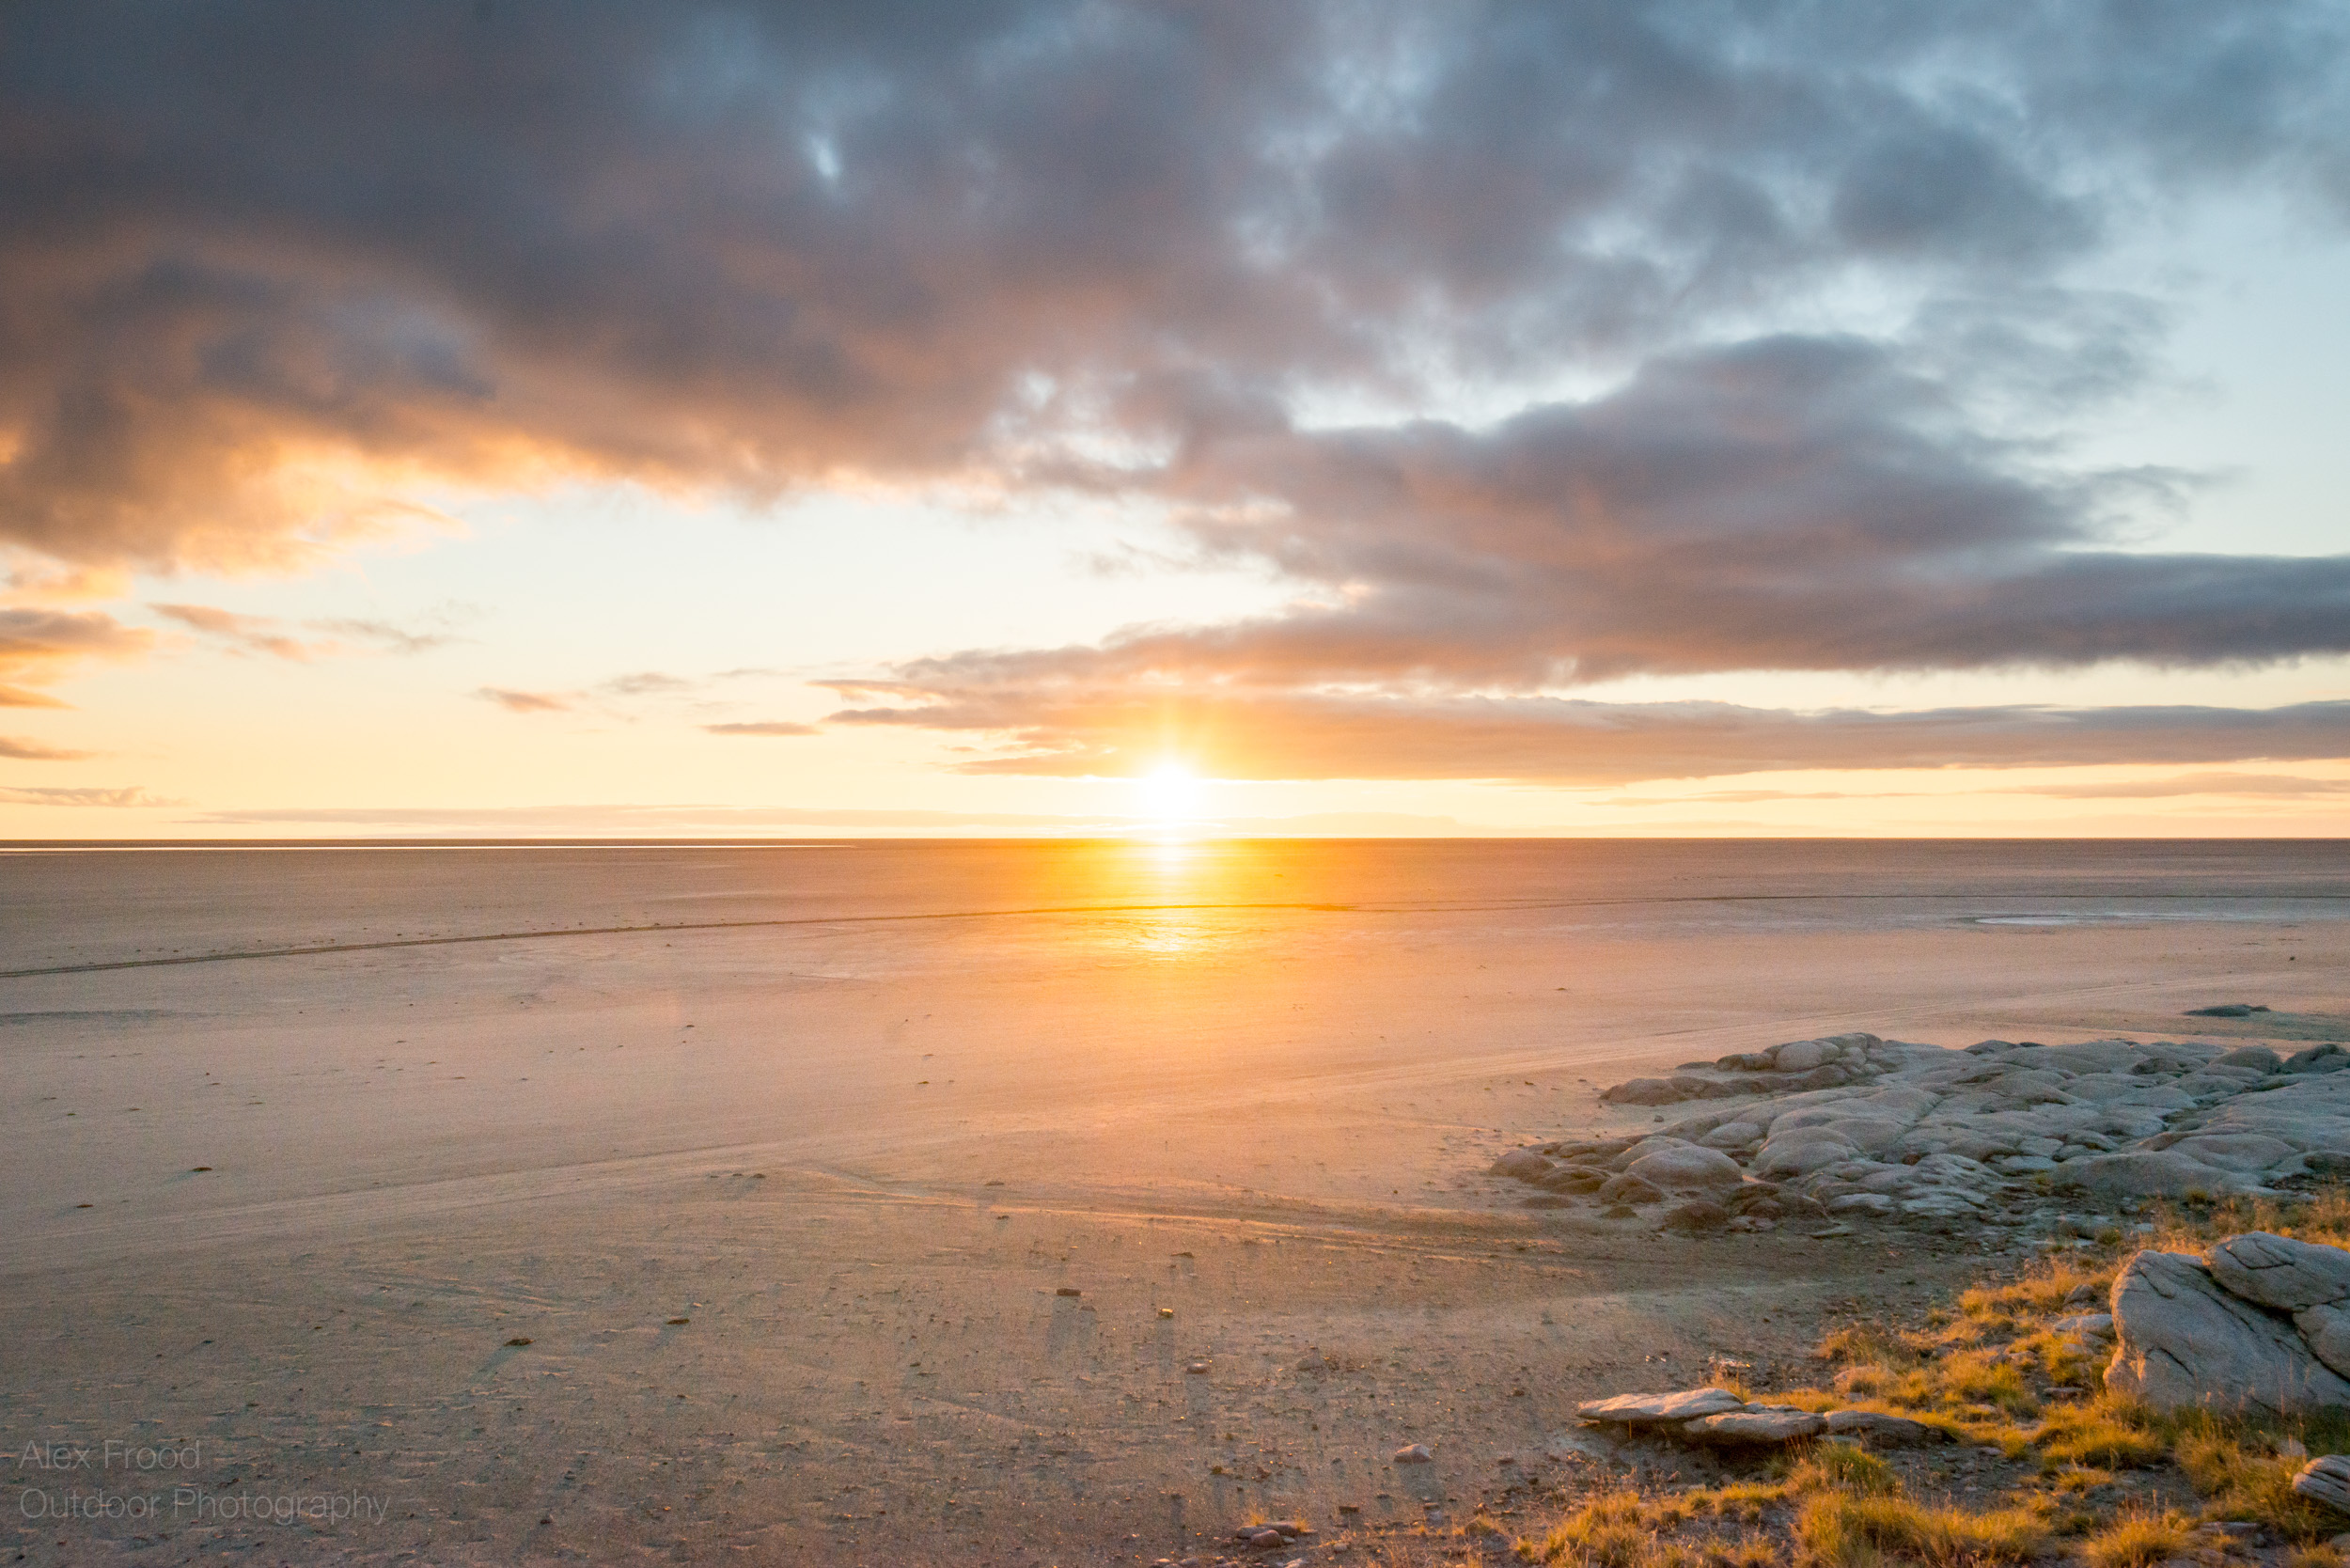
(2144, 1173)
(1521, 1165)
(1572, 1178)
(2094, 1325)
(1646, 1410)
(1802, 1056)
(2280, 1272)
(2251, 1059)
(2328, 1058)
(2325, 1480)
(1861, 1204)
(1697, 1216)
(2225, 1009)
(1642, 1091)
(1687, 1168)
(1413, 1453)
(1875, 1426)
(1629, 1188)
(1755, 1426)
(2185, 1343)
(2326, 1331)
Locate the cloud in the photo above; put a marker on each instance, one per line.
(764, 727)
(277, 273)
(82, 797)
(243, 634)
(386, 635)
(22, 750)
(527, 702)
(650, 682)
(1127, 731)
(41, 644)
(2240, 785)
(268, 279)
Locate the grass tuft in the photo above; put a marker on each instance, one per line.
(2138, 1539)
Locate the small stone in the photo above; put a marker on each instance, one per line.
(1638, 1410)
(1166, 1312)
(2225, 1009)
(1413, 1453)
(518, 1340)
(2096, 1324)
(1197, 1368)
(1068, 1290)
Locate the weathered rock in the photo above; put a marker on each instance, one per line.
(2325, 1480)
(2329, 1057)
(1755, 1426)
(1802, 1056)
(1695, 1218)
(1862, 1203)
(1413, 1453)
(2144, 1173)
(2326, 1331)
(2185, 1343)
(1642, 1091)
(1629, 1188)
(1686, 1167)
(2280, 1272)
(1875, 1426)
(2225, 1009)
(1648, 1410)
(2250, 1059)
(1520, 1165)
(1572, 1178)
(2094, 1324)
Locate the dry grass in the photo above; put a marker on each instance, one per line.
(1838, 1529)
(2138, 1539)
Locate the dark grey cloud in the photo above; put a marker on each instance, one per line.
(273, 269)
(760, 245)
(1562, 740)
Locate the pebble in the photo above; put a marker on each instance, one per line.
(1413, 1453)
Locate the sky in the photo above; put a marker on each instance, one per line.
(509, 417)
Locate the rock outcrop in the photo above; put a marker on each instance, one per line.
(2183, 1342)
(1881, 1130)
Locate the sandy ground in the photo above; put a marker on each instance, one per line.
(786, 1217)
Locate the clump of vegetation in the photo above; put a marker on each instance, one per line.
(2139, 1538)
(1991, 1370)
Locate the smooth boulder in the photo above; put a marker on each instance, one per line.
(2326, 1331)
(2276, 1270)
(1687, 1168)
(2184, 1343)
(2325, 1480)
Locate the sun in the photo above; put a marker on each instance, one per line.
(1170, 793)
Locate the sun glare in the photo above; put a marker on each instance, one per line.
(1170, 793)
